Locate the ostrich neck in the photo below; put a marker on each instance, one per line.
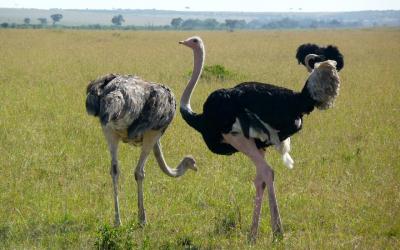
(199, 55)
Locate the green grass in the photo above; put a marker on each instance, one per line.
(55, 187)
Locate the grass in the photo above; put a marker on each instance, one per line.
(55, 187)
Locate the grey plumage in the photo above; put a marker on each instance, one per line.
(137, 112)
(129, 105)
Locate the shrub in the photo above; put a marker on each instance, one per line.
(216, 71)
(115, 238)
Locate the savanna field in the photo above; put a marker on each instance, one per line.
(55, 186)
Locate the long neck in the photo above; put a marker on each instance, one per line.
(179, 171)
(199, 55)
(304, 103)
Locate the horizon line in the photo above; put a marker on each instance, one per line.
(188, 10)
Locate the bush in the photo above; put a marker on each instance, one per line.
(216, 71)
(114, 238)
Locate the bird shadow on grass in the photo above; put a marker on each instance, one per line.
(183, 242)
(126, 237)
(5, 233)
(229, 224)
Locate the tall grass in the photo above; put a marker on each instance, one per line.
(55, 187)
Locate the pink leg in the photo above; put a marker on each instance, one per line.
(113, 141)
(264, 178)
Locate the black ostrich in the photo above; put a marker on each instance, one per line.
(137, 112)
(320, 54)
(252, 116)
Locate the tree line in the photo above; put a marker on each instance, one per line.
(43, 20)
(195, 24)
(283, 23)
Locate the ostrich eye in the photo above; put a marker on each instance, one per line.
(195, 40)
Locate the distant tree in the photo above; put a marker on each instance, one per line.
(241, 24)
(118, 20)
(176, 22)
(56, 18)
(190, 24)
(211, 23)
(42, 20)
(27, 20)
(256, 24)
(4, 25)
(234, 24)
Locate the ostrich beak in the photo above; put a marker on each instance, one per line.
(181, 42)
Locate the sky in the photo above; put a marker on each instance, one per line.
(210, 5)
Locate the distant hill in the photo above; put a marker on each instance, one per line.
(162, 17)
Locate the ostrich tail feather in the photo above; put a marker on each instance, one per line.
(287, 160)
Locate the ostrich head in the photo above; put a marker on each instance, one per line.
(329, 52)
(189, 163)
(323, 84)
(193, 42)
(311, 59)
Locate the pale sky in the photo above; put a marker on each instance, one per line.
(209, 5)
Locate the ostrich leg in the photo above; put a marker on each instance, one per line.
(112, 141)
(149, 139)
(264, 178)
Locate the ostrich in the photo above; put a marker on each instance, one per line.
(252, 116)
(319, 54)
(137, 112)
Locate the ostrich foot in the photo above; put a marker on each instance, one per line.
(277, 236)
(142, 218)
(252, 237)
(117, 222)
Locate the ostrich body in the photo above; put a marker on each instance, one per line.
(329, 52)
(252, 116)
(137, 112)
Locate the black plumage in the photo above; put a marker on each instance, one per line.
(329, 52)
(251, 103)
(252, 116)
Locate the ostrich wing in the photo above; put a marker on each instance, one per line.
(267, 109)
(122, 101)
(131, 103)
(272, 104)
(157, 112)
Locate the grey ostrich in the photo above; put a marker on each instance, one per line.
(137, 112)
